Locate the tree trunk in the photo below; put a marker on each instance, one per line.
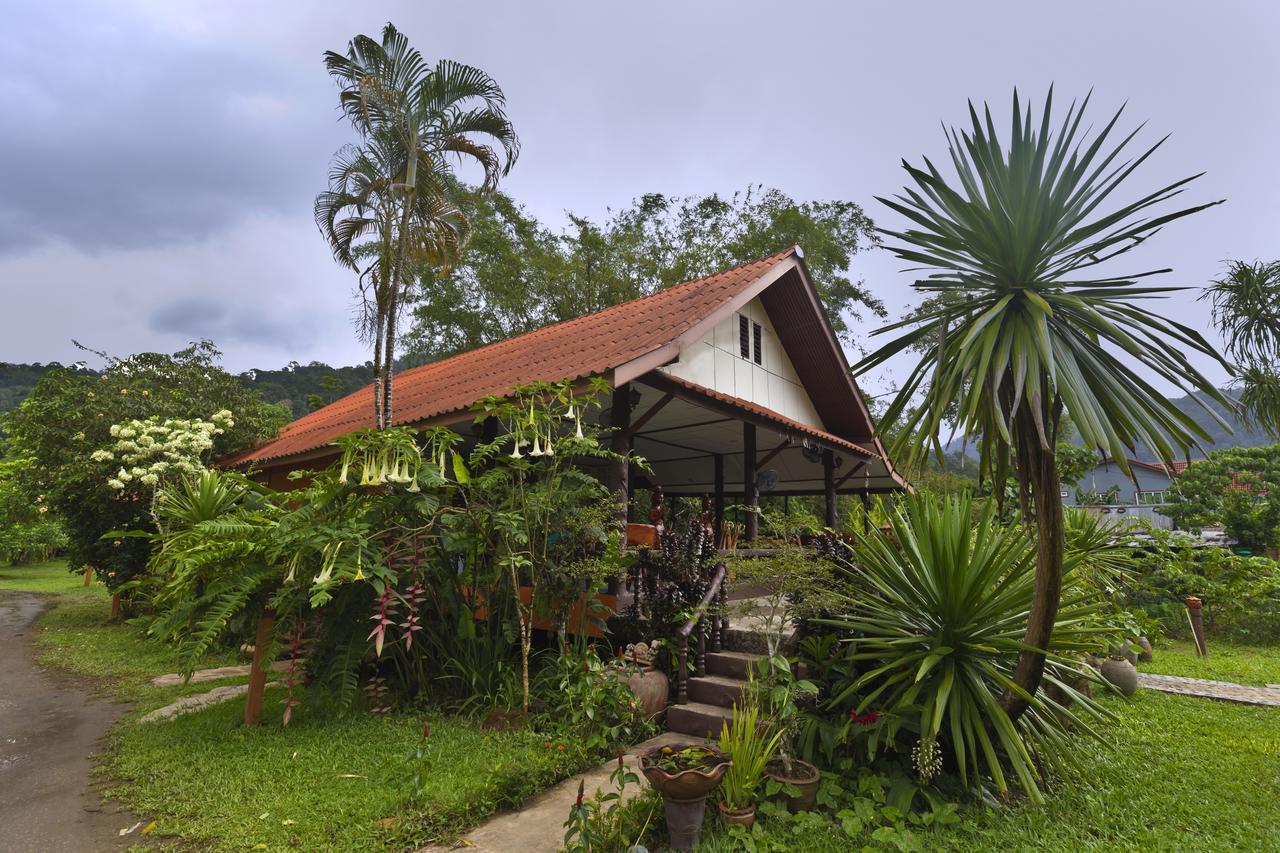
(1038, 474)
(377, 368)
(389, 350)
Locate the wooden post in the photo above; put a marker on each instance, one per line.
(682, 674)
(718, 522)
(619, 477)
(115, 606)
(88, 575)
(1194, 616)
(258, 671)
(829, 485)
(751, 495)
(620, 443)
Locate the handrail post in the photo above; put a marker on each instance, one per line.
(701, 666)
(682, 665)
(722, 625)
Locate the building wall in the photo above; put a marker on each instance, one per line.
(716, 362)
(1104, 476)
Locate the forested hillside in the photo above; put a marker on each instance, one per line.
(301, 387)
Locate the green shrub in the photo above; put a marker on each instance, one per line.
(937, 608)
(1241, 595)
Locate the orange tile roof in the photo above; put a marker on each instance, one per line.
(591, 345)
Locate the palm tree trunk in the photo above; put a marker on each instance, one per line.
(1038, 474)
(377, 373)
(389, 355)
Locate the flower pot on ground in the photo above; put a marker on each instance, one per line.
(684, 774)
(1122, 674)
(1147, 653)
(750, 746)
(737, 817)
(651, 687)
(802, 775)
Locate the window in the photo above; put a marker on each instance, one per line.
(744, 336)
(758, 333)
(1152, 498)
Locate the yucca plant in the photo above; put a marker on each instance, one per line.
(751, 745)
(1021, 328)
(938, 606)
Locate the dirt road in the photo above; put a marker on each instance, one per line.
(50, 727)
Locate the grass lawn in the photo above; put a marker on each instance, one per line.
(314, 785)
(1256, 665)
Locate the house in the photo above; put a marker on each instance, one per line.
(729, 386)
(1108, 490)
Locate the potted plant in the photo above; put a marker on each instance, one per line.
(684, 774)
(747, 743)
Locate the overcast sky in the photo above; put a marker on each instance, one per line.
(158, 160)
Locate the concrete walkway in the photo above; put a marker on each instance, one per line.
(50, 727)
(1223, 690)
(538, 827)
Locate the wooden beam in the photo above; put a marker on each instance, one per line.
(258, 669)
(694, 425)
(829, 486)
(855, 469)
(786, 442)
(749, 489)
(718, 525)
(647, 416)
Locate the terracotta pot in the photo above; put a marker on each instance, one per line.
(651, 688)
(803, 775)
(737, 817)
(1122, 674)
(684, 794)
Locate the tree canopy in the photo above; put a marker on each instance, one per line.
(518, 274)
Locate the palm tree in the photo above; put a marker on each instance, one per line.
(1035, 338)
(1246, 310)
(389, 210)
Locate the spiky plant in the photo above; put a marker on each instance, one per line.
(1033, 330)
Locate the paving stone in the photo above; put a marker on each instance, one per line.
(1224, 690)
(213, 674)
(187, 704)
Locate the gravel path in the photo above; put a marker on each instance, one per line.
(1224, 690)
(50, 728)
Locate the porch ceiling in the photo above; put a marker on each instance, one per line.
(681, 440)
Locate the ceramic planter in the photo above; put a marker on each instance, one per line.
(803, 775)
(684, 794)
(651, 688)
(737, 817)
(1122, 674)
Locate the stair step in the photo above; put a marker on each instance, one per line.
(719, 690)
(697, 719)
(732, 664)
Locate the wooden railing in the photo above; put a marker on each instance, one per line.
(716, 592)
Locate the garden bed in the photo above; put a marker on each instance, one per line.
(337, 784)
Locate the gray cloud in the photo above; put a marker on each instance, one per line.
(158, 160)
(124, 135)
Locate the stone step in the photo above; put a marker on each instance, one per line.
(698, 719)
(732, 664)
(716, 690)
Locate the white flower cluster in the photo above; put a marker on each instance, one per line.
(153, 449)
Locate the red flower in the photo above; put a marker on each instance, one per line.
(426, 730)
(621, 753)
(560, 747)
(547, 744)
(581, 787)
(619, 652)
(586, 667)
(864, 719)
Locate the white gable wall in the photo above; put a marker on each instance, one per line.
(715, 362)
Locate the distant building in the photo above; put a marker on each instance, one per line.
(1109, 491)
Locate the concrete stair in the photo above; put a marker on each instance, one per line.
(712, 696)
